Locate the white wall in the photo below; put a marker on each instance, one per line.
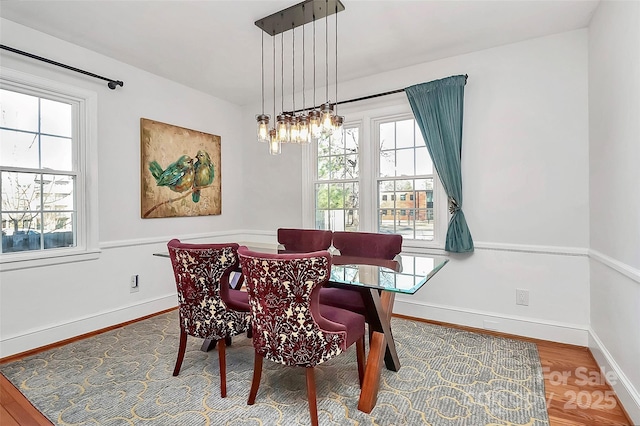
(614, 144)
(525, 172)
(43, 305)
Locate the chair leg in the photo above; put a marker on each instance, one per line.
(360, 355)
(311, 395)
(222, 359)
(181, 350)
(255, 383)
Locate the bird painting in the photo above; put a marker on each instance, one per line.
(204, 173)
(178, 176)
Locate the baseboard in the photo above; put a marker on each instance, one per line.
(572, 334)
(11, 345)
(626, 392)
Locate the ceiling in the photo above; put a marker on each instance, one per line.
(214, 46)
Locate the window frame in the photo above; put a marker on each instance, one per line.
(84, 133)
(367, 117)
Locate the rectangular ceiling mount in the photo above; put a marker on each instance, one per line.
(300, 14)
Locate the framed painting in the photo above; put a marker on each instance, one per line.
(180, 173)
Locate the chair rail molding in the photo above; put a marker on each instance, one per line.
(620, 267)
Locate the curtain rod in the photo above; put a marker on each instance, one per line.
(111, 82)
(364, 98)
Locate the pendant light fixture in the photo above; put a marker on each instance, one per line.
(274, 144)
(263, 119)
(307, 124)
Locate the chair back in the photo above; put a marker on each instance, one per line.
(304, 240)
(368, 244)
(285, 313)
(202, 276)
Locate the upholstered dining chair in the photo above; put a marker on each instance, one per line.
(303, 240)
(359, 244)
(290, 327)
(209, 309)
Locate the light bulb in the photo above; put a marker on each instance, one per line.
(263, 128)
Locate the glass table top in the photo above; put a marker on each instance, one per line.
(407, 275)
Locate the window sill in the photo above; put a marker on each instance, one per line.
(17, 261)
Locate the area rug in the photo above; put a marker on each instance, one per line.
(123, 377)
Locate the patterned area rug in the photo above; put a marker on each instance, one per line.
(123, 377)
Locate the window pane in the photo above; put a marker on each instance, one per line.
(424, 166)
(337, 167)
(352, 168)
(352, 221)
(386, 224)
(351, 140)
(324, 168)
(19, 149)
(424, 224)
(58, 192)
(336, 144)
(55, 118)
(18, 111)
(57, 153)
(323, 146)
(351, 195)
(387, 136)
(387, 163)
(404, 134)
(20, 232)
(405, 162)
(322, 197)
(322, 219)
(20, 191)
(58, 230)
(336, 196)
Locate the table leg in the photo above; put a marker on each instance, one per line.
(381, 345)
(372, 372)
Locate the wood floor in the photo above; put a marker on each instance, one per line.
(575, 390)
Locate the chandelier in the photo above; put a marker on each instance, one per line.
(308, 123)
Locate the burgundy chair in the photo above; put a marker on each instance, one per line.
(290, 326)
(209, 309)
(303, 240)
(359, 244)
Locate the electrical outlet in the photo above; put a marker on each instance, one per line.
(134, 284)
(522, 297)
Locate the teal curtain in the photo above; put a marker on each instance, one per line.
(437, 107)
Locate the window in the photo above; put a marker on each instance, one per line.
(337, 186)
(405, 168)
(45, 144)
(395, 189)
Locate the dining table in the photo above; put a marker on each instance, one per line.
(378, 281)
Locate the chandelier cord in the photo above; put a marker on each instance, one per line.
(282, 71)
(304, 101)
(273, 44)
(262, 72)
(336, 100)
(314, 60)
(293, 67)
(326, 45)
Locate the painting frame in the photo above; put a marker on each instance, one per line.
(180, 173)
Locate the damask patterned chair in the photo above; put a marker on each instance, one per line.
(209, 309)
(359, 244)
(290, 327)
(303, 240)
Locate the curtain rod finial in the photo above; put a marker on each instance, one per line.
(115, 83)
